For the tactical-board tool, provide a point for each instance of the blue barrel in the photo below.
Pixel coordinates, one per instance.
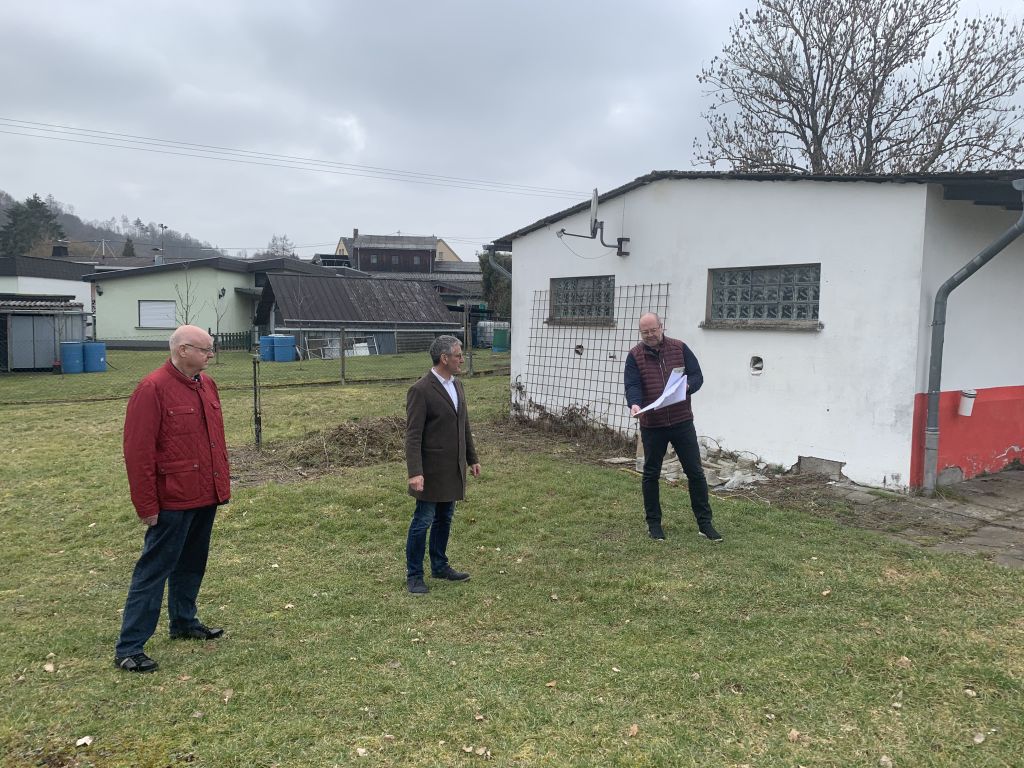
(72, 357)
(501, 340)
(284, 348)
(95, 356)
(266, 348)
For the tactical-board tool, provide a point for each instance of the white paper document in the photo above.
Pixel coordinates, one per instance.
(675, 392)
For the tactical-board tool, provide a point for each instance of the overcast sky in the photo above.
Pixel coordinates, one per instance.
(558, 95)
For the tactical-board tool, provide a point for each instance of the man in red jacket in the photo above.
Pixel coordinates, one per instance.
(177, 461)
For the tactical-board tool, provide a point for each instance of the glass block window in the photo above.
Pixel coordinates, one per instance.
(584, 300)
(769, 294)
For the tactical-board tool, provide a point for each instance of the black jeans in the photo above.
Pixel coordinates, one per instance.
(684, 439)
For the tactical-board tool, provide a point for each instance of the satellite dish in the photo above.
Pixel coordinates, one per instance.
(593, 214)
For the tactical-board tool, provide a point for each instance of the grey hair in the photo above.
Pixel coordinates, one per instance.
(442, 345)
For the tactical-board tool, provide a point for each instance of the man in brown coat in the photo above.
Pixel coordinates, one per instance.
(438, 452)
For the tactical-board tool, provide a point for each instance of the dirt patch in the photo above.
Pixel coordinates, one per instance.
(348, 444)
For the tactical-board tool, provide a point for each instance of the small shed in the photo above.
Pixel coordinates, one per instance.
(327, 315)
(32, 328)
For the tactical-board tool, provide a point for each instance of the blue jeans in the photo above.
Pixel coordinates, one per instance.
(683, 437)
(174, 552)
(435, 516)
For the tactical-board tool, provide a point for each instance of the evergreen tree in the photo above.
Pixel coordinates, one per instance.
(28, 224)
(128, 251)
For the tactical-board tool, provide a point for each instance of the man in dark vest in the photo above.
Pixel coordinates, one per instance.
(438, 452)
(648, 367)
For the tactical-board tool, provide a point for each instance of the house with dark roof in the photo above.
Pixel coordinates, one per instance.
(139, 308)
(327, 316)
(813, 304)
(429, 260)
(38, 276)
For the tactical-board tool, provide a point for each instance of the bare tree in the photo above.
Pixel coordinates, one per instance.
(188, 306)
(864, 86)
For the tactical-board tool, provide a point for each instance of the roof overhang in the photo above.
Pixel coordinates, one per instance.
(994, 188)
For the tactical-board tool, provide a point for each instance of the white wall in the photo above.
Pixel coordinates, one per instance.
(984, 316)
(845, 393)
(82, 291)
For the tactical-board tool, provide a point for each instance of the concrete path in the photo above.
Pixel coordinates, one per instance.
(984, 516)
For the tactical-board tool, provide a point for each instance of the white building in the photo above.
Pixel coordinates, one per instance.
(807, 300)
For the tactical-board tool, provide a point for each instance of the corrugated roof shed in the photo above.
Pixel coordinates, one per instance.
(302, 299)
(22, 302)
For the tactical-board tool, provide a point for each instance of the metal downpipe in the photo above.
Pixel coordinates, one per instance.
(931, 432)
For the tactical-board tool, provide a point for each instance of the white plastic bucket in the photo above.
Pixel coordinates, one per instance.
(967, 397)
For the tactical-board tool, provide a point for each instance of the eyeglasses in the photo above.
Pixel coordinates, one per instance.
(650, 331)
(204, 350)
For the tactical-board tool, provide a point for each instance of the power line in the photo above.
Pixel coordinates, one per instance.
(136, 143)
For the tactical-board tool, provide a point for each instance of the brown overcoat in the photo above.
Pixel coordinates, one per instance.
(438, 440)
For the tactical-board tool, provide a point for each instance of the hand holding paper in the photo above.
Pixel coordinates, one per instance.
(675, 392)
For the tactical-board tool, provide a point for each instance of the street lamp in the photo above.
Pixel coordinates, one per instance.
(163, 228)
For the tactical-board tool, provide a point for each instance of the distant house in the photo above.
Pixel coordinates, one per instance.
(808, 301)
(392, 253)
(429, 260)
(328, 315)
(138, 308)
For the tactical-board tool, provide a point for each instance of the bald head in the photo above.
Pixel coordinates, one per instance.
(191, 349)
(651, 331)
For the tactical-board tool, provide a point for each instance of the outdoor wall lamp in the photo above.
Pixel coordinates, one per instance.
(597, 229)
(99, 289)
(221, 292)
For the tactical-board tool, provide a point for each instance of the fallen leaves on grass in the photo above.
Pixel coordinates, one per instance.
(826, 593)
(793, 735)
(551, 684)
(49, 667)
(86, 741)
(362, 751)
(634, 729)
(970, 693)
(904, 663)
(979, 738)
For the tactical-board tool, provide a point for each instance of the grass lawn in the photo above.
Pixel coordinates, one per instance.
(577, 642)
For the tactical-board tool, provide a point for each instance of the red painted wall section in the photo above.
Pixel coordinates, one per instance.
(986, 441)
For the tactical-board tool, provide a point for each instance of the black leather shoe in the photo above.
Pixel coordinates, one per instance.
(197, 632)
(137, 662)
(656, 531)
(450, 574)
(416, 586)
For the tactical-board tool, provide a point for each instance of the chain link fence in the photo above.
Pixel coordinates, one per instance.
(111, 368)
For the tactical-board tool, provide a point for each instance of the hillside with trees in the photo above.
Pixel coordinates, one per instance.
(36, 233)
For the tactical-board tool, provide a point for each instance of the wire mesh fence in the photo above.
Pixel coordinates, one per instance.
(112, 368)
(574, 371)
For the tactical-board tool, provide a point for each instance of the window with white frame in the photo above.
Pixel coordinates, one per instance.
(583, 300)
(157, 314)
(765, 296)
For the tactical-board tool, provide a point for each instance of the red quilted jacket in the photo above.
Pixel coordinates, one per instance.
(174, 446)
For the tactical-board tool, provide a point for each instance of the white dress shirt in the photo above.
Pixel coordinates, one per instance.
(449, 387)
